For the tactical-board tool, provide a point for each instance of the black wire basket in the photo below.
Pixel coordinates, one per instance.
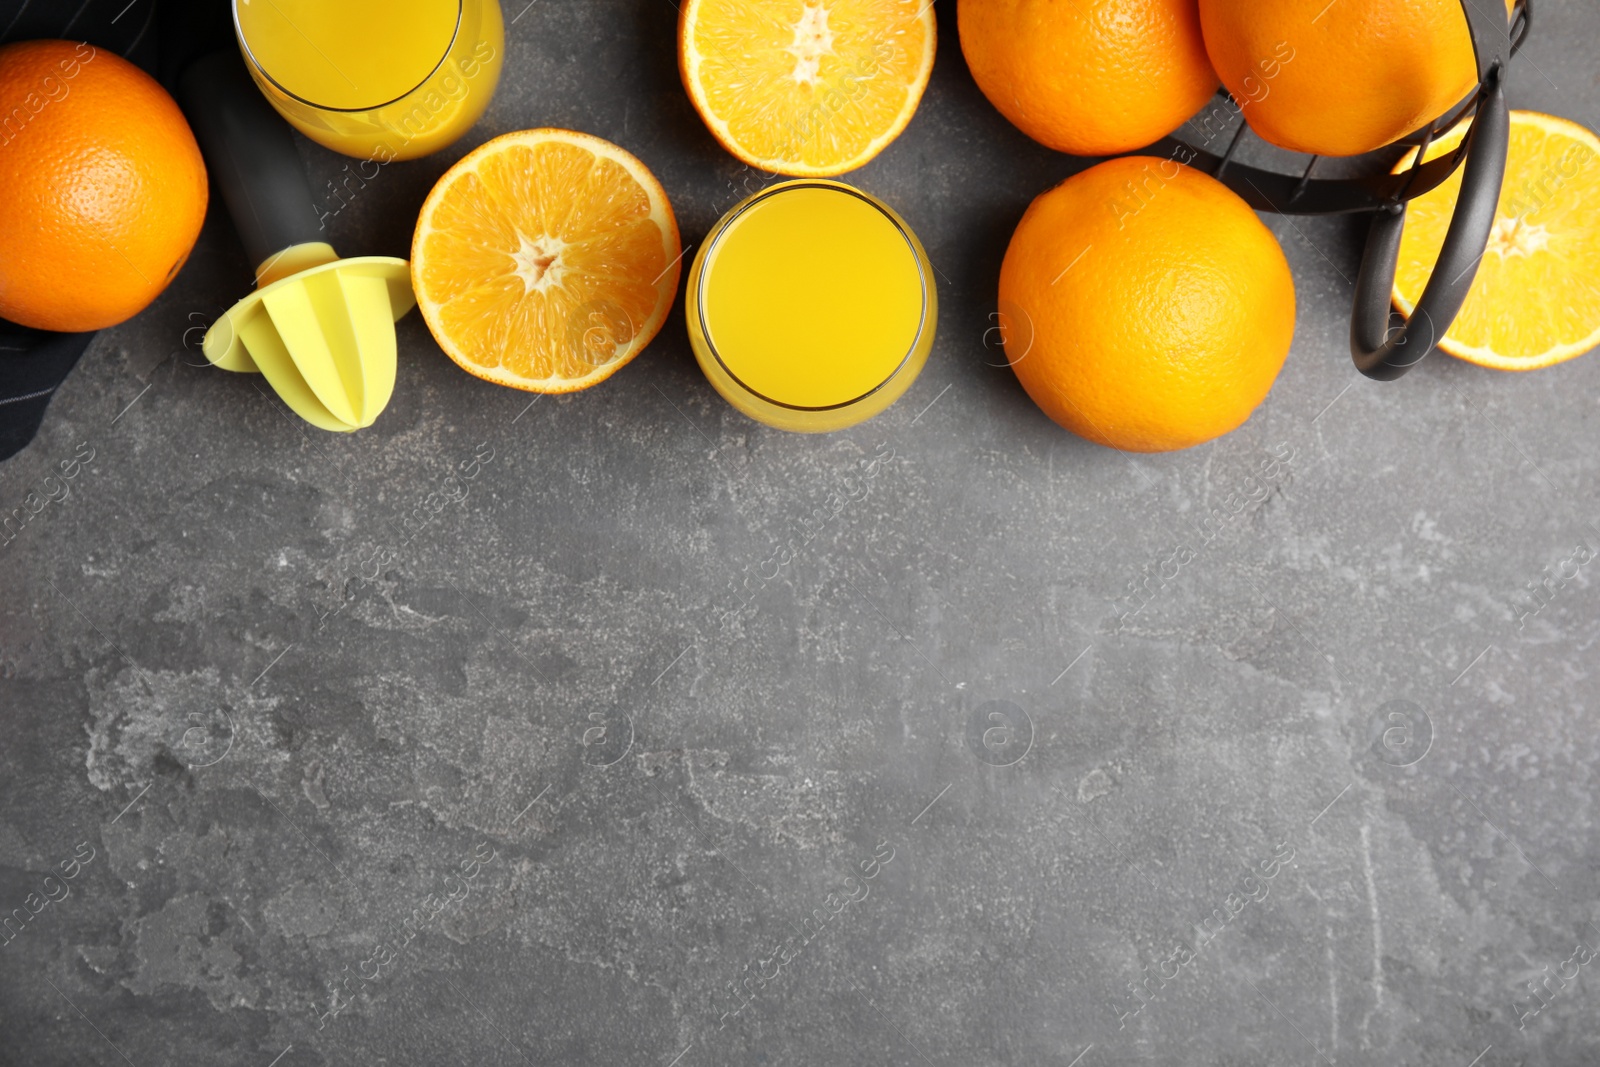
(1382, 349)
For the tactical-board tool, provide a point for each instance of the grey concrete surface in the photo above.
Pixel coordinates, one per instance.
(352, 767)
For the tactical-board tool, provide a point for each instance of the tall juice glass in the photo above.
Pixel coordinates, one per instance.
(376, 79)
(811, 306)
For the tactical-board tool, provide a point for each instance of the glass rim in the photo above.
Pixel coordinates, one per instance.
(726, 223)
(258, 67)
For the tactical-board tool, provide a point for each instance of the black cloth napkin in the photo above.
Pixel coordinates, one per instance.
(162, 36)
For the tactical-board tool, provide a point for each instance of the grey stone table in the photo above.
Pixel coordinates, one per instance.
(593, 731)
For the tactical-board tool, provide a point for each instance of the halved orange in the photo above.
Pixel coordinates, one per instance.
(545, 260)
(811, 88)
(1536, 298)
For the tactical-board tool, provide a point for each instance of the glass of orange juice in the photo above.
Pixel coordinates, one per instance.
(811, 306)
(376, 79)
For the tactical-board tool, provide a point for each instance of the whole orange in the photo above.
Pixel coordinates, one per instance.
(105, 190)
(1144, 306)
(1343, 78)
(1090, 77)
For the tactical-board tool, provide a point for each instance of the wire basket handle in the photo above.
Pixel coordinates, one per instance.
(1383, 351)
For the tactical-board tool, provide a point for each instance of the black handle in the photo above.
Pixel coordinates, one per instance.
(251, 155)
(1385, 352)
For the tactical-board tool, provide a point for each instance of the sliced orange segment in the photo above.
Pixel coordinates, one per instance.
(1536, 298)
(545, 260)
(811, 88)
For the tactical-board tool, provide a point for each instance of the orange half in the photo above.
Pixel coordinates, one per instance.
(545, 260)
(810, 88)
(1536, 298)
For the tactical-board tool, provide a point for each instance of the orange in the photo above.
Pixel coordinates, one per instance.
(1090, 77)
(1144, 306)
(105, 190)
(811, 88)
(1340, 78)
(545, 260)
(1536, 298)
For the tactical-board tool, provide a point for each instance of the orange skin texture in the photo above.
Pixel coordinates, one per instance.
(1090, 77)
(1144, 306)
(1363, 73)
(105, 188)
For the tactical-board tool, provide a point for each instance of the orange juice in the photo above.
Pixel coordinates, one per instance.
(811, 306)
(376, 79)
